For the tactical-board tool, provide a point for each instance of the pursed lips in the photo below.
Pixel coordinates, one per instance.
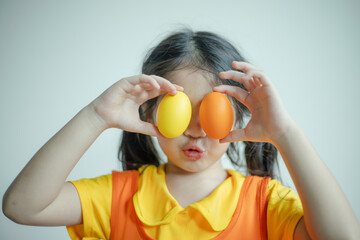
(193, 152)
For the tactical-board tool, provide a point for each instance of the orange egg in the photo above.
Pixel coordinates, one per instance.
(216, 115)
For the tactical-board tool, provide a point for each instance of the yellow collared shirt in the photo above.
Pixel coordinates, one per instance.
(164, 218)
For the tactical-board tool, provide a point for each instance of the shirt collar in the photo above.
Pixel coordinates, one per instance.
(154, 205)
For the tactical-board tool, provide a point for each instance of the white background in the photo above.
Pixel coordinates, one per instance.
(57, 56)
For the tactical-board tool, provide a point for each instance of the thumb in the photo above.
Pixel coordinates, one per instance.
(237, 92)
(234, 136)
(146, 128)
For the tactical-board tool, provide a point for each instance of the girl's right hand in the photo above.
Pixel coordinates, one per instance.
(118, 106)
(57, 202)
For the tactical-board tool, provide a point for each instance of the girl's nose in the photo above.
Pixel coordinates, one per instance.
(194, 129)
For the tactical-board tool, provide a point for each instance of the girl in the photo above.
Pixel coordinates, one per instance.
(191, 196)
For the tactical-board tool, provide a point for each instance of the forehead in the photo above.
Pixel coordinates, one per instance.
(196, 83)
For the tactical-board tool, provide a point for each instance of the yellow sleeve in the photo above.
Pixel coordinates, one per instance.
(95, 197)
(283, 212)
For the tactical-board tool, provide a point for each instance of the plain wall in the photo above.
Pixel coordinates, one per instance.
(57, 56)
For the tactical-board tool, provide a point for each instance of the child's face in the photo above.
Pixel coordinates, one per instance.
(193, 151)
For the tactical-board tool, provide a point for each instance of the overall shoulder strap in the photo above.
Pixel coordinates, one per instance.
(256, 190)
(125, 185)
(249, 220)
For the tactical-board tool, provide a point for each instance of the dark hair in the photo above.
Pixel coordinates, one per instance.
(213, 54)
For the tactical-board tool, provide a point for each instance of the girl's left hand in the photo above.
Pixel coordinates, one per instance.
(269, 118)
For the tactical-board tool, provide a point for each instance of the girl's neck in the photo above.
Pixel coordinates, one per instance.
(188, 187)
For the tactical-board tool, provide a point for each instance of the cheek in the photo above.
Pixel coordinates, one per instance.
(167, 145)
(162, 143)
(218, 149)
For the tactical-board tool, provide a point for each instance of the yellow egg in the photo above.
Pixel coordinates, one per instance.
(173, 115)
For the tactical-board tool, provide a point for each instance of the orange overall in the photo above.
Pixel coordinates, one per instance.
(248, 222)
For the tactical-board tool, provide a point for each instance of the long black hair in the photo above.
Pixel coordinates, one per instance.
(197, 50)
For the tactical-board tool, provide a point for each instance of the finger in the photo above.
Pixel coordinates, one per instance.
(146, 128)
(144, 80)
(247, 67)
(257, 81)
(243, 66)
(146, 86)
(251, 82)
(237, 92)
(256, 73)
(260, 77)
(234, 136)
(166, 85)
(238, 77)
(235, 75)
(179, 88)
